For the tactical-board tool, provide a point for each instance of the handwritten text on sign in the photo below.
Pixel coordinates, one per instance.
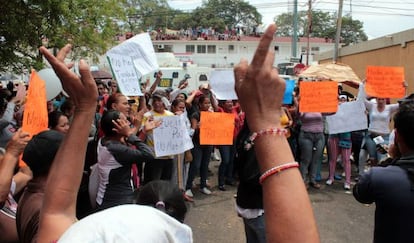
(318, 96)
(172, 136)
(216, 128)
(125, 73)
(35, 118)
(385, 82)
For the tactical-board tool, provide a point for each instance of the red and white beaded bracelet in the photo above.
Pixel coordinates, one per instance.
(277, 169)
(268, 131)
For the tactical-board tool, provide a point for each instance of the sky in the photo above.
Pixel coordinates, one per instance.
(380, 17)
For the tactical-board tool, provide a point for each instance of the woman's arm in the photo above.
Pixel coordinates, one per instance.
(156, 82)
(9, 161)
(288, 115)
(126, 155)
(22, 177)
(289, 216)
(58, 212)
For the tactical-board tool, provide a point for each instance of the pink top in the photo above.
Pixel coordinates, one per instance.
(311, 122)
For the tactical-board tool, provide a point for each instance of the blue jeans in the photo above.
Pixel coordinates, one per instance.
(255, 230)
(201, 159)
(311, 148)
(226, 166)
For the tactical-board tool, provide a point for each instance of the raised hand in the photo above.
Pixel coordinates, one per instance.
(151, 124)
(18, 142)
(122, 127)
(259, 87)
(82, 90)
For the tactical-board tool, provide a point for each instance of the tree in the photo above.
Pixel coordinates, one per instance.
(352, 31)
(91, 25)
(220, 14)
(323, 25)
(152, 14)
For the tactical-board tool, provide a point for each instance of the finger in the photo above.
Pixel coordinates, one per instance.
(62, 54)
(269, 59)
(116, 123)
(60, 68)
(263, 47)
(86, 77)
(70, 65)
(49, 56)
(240, 71)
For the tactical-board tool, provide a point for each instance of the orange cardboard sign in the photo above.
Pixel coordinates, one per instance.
(35, 117)
(385, 82)
(318, 96)
(216, 128)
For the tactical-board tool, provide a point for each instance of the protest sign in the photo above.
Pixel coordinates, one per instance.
(35, 117)
(172, 136)
(349, 117)
(222, 83)
(385, 82)
(216, 128)
(318, 96)
(288, 96)
(125, 73)
(141, 51)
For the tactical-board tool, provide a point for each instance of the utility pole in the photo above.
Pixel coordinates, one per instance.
(295, 29)
(338, 31)
(309, 31)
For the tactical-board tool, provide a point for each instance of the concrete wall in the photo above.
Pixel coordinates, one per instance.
(392, 50)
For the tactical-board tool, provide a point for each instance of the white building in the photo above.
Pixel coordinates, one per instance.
(226, 53)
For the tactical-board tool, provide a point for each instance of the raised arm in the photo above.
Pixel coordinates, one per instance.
(14, 148)
(289, 215)
(59, 207)
(156, 82)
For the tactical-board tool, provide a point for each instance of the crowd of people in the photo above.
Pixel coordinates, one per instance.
(94, 176)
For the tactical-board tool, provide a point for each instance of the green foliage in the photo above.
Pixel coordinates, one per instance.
(230, 13)
(352, 31)
(323, 25)
(91, 25)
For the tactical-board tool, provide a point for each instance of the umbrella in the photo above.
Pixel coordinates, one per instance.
(338, 72)
(100, 74)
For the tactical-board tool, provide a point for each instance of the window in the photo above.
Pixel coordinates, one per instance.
(201, 49)
(175, 74)
(303, 49)
(168, 48)
(276, 48)
(315, 48)
(189, 48)
(231, 49)
(211, 49)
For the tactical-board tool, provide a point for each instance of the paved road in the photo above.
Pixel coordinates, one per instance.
(340, 218)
